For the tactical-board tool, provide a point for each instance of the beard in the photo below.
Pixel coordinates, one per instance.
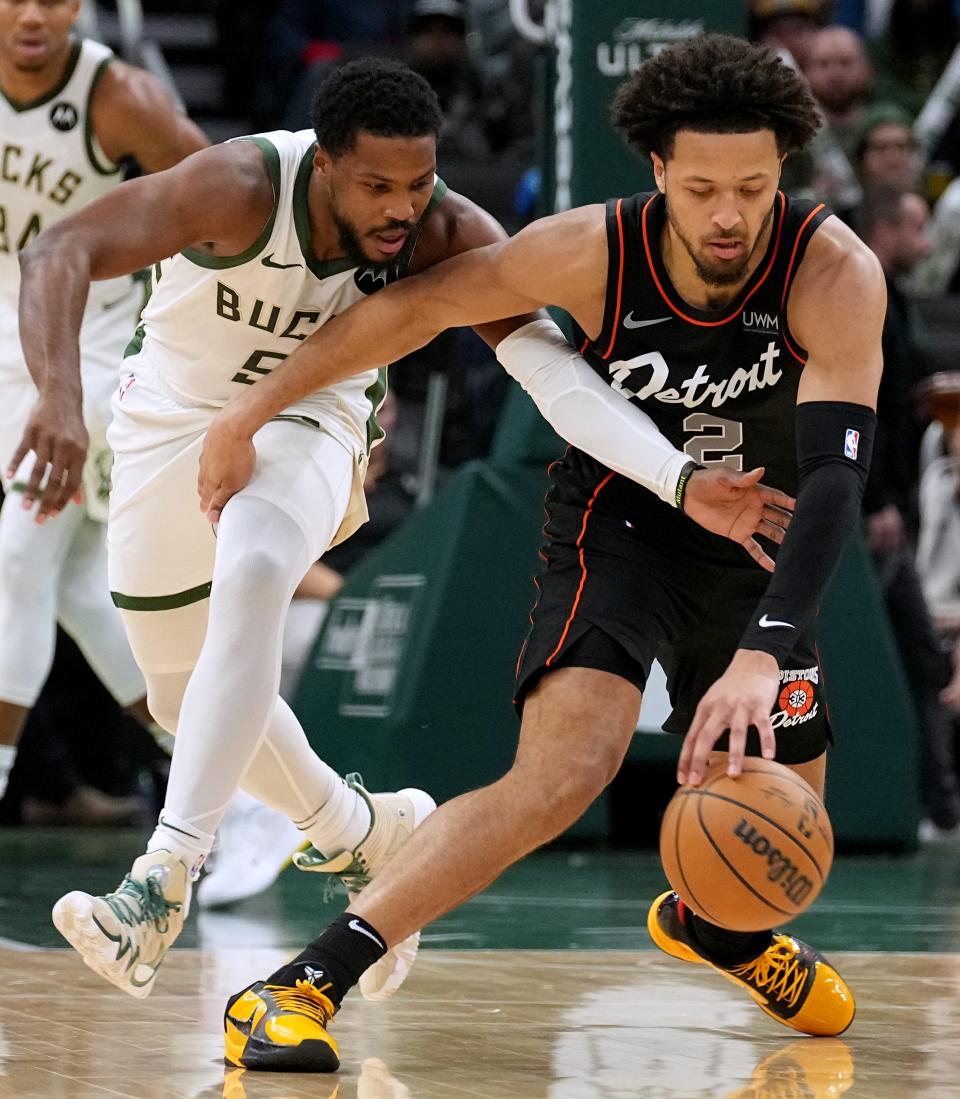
(719, 273)
(352, 245)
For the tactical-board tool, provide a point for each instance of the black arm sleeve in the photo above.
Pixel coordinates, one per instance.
(834, 444)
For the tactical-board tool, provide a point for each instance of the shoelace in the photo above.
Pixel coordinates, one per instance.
(778, 973)
(304, 1000)
(139, 902)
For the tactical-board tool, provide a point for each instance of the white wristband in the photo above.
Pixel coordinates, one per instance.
(586, 412)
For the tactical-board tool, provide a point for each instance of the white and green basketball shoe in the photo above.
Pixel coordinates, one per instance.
(124, 935)
(393, 818)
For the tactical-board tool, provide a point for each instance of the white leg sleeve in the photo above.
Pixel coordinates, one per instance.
(31, 560)
(87, 613)
(267, 537)
(286, 774)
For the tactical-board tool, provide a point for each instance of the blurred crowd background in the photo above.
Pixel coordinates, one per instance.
(887, 76)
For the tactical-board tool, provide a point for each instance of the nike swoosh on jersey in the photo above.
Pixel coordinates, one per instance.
(629, 322)
(267, 261)
(766, 623)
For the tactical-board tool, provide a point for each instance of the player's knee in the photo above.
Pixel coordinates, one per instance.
(562, 791)
(21, 577)
(584, 781)
(258, 573)
(164, 709)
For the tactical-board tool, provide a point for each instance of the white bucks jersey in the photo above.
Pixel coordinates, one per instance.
(51, 166)
(215, 325)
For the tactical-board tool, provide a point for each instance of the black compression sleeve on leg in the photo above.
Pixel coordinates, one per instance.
(834, 444)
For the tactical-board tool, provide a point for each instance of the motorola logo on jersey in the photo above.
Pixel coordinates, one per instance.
(64, 116)
(371, 279)
(698, 389)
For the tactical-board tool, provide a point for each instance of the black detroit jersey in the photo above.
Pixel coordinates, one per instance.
(721, 386)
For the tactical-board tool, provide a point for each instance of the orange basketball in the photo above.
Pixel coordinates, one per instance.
(747, 853)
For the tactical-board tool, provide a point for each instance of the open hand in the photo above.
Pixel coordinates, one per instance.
(736, 506)
(227, 461)
(56, 435)
(743, 696)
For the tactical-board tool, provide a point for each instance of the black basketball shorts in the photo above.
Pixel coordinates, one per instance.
(622, 585)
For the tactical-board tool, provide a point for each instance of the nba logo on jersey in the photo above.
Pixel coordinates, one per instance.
(851, 443)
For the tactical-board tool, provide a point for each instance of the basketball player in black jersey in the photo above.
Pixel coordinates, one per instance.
(747, 325)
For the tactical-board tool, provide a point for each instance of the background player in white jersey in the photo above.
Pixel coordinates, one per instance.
(270, 237)
(69, 114)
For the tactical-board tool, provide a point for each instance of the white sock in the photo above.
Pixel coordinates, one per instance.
(182, 839)
(286, 775)
(8, 753)
(340, 824)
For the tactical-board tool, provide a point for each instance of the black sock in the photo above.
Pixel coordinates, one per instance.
(722, 947)
(335, 961)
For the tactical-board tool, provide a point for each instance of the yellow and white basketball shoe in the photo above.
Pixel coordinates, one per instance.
(125, 934)
(274, 1028)
(393, 817)
(791, 981)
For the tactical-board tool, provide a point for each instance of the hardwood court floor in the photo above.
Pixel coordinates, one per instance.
(598, 1014)
(505, 1024)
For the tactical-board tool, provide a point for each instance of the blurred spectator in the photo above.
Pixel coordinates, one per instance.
(487, 139)
(787, 26)
(852, 14)
(938, 549)
(437, 49)
(886, 153)
(892, 223)
(939, 272)
(81, 759)
(841, 79)
(910, 55)
(305, 35)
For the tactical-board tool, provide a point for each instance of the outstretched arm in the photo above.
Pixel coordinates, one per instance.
(544, 264)
(562, 261)
(836, 311)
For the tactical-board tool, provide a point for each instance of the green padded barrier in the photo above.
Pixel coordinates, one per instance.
(873, 780)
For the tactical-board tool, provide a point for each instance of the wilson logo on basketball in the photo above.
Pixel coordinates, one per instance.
(780, 868)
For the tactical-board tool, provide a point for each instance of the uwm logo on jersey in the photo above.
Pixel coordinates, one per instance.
(754, 321)
(698, 389)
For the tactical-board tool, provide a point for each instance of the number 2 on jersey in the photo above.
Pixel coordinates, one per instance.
(716, 436)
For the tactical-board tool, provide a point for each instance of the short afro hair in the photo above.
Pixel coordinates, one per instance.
(375, 95)
(715, 84)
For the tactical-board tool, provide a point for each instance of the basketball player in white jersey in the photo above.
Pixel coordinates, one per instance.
(69, 114)
(270, 237)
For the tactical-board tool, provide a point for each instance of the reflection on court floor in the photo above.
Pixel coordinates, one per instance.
(594, 1014)
(498, 1024)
